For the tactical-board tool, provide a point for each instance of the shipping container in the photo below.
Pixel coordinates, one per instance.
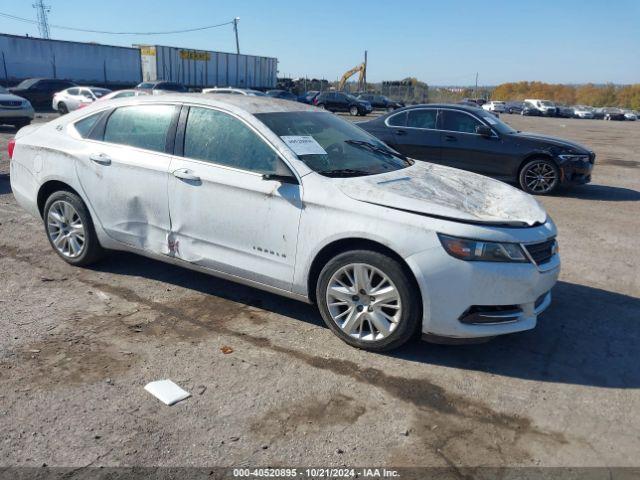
(84, 63)
(203, 68)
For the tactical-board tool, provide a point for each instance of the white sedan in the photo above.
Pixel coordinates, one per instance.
(14, 110)
(495, 106)
(73, 98)
(295, 200)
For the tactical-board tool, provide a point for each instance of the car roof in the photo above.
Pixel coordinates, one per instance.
(451, 106)
(247, 103)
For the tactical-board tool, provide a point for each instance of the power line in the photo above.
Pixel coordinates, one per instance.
(62, 27)
(43, 23)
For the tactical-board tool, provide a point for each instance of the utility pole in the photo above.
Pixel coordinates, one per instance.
(363, 88)
(43, 23)
(476, 90)
(235, 29)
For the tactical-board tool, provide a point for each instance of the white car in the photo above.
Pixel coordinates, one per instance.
(123, 94)
(297, 201)
(235, 91)
(495, 106)
(14, 110)
(73, 98)
(581, 111)
(630, 115)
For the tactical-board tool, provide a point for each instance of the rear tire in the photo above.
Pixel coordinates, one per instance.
(352, 304)
(70, 230)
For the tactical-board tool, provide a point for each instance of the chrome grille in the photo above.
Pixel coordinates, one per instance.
(10, 103)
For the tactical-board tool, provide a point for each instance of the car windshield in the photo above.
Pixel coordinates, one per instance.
(546, 103)
(351, 97)
(496, 123)
(145, 85)
(332, 146)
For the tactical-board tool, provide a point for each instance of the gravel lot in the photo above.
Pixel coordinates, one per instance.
(77, 347)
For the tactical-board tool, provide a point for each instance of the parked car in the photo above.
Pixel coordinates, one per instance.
(630, 115)
(235, 91)
(564, 111)
(473, 139)
(342, 102)
(14, 110)
(613, 114)
(76, 97)
(312, 208)
(122, 94)
(581, 111)
(546, 107)
(40, 91)
(495, 106)
(514, 107)
(283, 94)
(308, 97)
(380, 102)
(162, 87)
(530, 110)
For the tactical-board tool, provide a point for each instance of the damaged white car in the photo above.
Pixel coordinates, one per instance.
(296, 201)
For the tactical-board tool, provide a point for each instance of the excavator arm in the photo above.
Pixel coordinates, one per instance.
(349, 73)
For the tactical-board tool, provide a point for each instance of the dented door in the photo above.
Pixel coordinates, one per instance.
(234, 221)
(225, 215)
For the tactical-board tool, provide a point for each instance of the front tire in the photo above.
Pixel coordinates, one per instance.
(353, 111)
(368, 300)
(539, 176)
(70, 230)
(62, 108)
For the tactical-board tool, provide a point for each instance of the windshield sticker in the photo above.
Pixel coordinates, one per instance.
(303, 145)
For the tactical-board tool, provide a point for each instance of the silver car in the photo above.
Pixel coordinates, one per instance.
(295, 200)
(14, 110)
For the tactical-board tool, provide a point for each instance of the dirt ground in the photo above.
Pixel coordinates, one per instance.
(77, 347)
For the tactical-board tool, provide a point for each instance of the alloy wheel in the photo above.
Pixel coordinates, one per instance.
(540, 177)
(65, 229)
(364, 302)
(353, 111)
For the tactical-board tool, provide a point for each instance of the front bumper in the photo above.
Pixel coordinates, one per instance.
(451, 287)
(576, 173)
(16, 114)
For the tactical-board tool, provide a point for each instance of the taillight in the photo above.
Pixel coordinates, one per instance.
(10, 146)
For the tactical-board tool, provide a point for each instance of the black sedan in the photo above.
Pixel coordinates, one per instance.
(380, 102)
(342, 102)
(472, 139)
(40, 91)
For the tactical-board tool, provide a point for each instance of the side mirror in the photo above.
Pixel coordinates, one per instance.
(484, 131)
(282, 174)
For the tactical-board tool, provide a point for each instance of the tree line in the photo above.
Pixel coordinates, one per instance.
(609, 95)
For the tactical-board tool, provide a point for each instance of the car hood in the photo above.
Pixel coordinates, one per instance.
(445, 192)
(10, 96)
(559, 142)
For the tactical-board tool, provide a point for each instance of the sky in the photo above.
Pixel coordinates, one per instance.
(438, 42)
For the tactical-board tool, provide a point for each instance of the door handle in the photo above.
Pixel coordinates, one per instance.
(450, 138)
(101, 158)
(401, 132)
(186, 174)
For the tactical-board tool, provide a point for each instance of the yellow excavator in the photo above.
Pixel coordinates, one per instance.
(362, 69)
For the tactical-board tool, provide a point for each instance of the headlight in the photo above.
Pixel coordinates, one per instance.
(573, 158)
(476, 250)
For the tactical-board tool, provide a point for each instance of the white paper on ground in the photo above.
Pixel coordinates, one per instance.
(303, 144)
(166, 391)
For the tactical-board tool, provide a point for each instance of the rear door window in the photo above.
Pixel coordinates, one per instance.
(398, 120)
(422, 118)
(220, 138)
(141, 126)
